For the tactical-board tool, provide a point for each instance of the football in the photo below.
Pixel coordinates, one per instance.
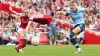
(35, 42)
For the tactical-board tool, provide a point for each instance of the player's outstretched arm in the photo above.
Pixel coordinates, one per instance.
(29, 23)
(62, 12)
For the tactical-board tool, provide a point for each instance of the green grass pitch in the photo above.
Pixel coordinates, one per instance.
(48, 50)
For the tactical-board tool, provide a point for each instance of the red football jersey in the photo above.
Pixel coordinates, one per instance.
(24, 21)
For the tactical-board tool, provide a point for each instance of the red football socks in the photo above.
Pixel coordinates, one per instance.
(20, 44)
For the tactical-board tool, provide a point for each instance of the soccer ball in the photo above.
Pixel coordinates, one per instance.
(35, 42)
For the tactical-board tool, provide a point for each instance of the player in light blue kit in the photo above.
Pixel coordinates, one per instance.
(77, 15)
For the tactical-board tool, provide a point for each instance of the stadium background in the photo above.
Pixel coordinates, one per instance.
(44, 10)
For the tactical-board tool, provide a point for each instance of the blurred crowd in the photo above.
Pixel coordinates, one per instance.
(51, 7)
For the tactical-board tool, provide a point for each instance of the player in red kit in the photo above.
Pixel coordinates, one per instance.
(25, 23)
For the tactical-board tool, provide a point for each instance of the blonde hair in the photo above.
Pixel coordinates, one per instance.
(72, 4)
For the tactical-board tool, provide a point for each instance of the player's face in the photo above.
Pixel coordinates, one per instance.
(26, 12)
(73, 8)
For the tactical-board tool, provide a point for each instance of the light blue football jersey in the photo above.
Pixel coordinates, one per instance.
(78, 16)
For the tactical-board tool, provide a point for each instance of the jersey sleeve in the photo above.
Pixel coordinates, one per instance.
(31, 18)
(81, 9)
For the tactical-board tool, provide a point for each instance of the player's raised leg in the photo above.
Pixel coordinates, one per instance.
(76, 31)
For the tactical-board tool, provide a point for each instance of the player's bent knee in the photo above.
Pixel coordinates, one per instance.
(77, 30)
(21, 34)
